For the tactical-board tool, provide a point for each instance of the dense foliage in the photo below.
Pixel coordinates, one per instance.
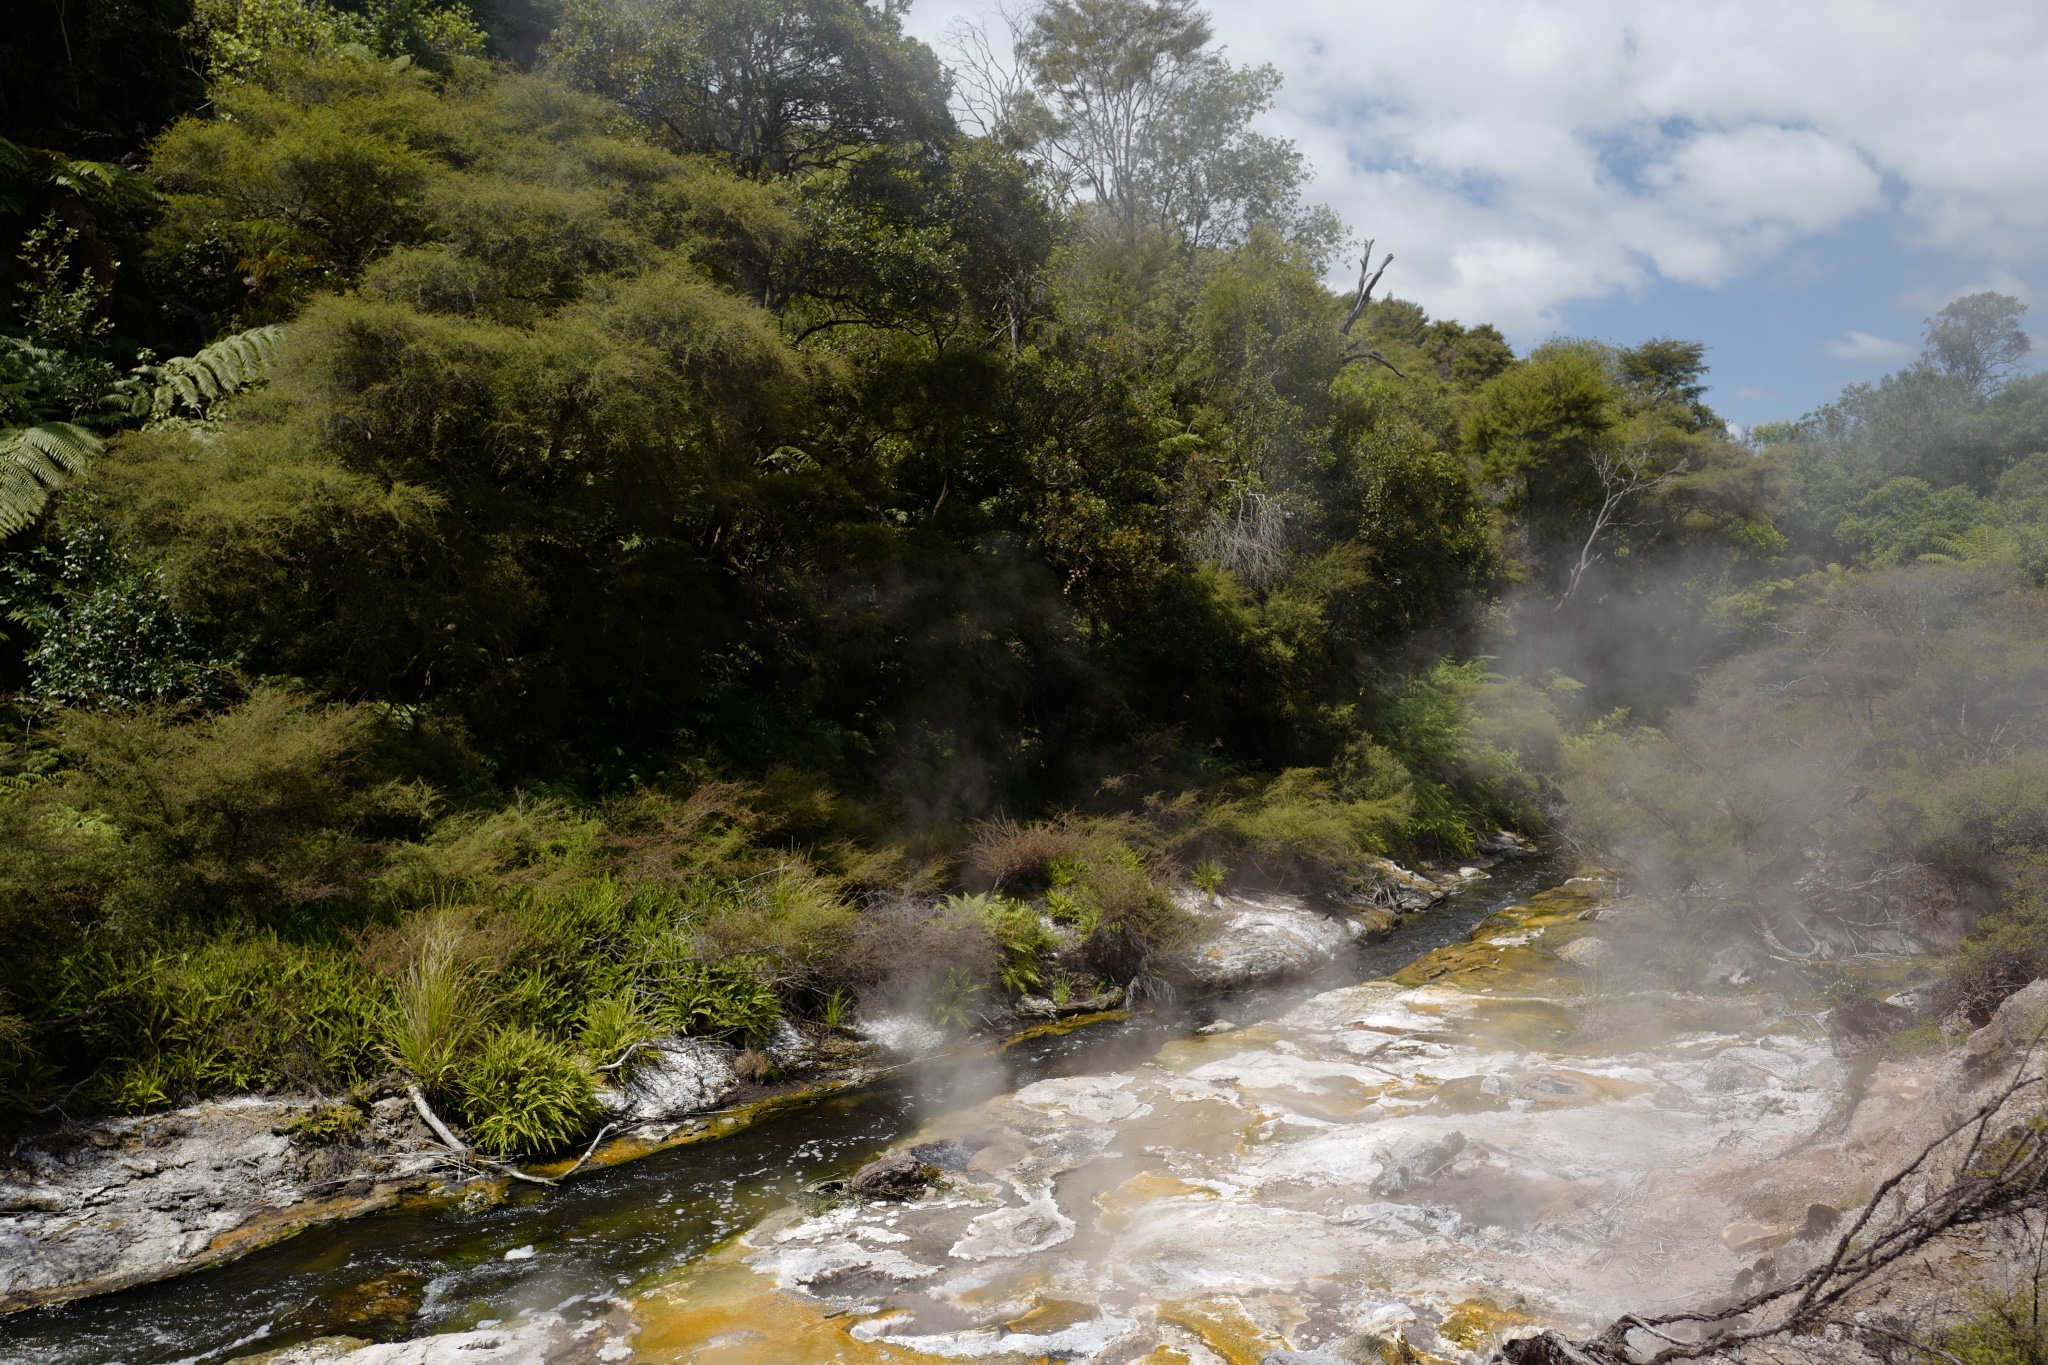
(643, 503)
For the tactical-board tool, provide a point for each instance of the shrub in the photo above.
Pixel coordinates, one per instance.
(522, 1093)
(611, 1027)
(1023, 945)
(2004, 1328)
(237, 1014)
(272, 803)
(327, 1123)
(712, 998)
(438, 1001)
(1299, 824)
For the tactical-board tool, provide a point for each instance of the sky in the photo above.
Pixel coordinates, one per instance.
(1796, 184)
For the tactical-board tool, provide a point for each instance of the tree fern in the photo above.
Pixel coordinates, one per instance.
(1981, 544)
(36, 461)
(193, 382)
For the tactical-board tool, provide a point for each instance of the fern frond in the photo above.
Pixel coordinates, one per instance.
(35, 462)
(1978, 545)
(27, 173)
(229, 365)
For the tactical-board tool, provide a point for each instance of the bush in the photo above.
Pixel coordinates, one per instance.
(727, 999)
(2005, 1328)
(522, 1093)
(236, 1014)
(1023, 946)
(439, 996)
(611, 1028)
(1300, 825)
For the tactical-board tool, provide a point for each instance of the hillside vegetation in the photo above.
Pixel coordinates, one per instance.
(520, 540)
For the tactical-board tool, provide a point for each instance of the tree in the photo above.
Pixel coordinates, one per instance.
(1978, 339)
(1671, 375)
(775, 87)
(1135, 110)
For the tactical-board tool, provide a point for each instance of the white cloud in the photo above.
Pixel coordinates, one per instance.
(1865, 349)
(1518, 154)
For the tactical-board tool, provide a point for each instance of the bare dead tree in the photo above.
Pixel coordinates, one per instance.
(1990, 1169)
(1623, 475)
(1368, 279)
(1250, 539)
(989, 87)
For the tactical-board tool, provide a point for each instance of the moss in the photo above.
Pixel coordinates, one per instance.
(327, 1123)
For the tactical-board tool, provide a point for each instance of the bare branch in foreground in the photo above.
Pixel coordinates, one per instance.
(1990, 1167)
(462, 1150)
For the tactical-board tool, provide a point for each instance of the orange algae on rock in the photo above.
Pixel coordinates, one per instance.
(722, 1313)
(1477, 1323)
(1224, 1327)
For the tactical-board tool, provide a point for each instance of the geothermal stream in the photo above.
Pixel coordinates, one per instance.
(1480, 1141)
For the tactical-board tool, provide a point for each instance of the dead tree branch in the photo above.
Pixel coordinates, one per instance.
(1623, 475)
(1368, 279)
(462, 1150)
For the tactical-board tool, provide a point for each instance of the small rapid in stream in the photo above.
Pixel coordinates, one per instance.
(444, 1267)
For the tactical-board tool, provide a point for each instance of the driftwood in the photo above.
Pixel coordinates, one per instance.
(466, 1153)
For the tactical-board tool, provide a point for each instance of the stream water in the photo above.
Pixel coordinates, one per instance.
(443, 1268)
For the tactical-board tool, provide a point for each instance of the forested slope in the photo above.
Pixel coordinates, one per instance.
(533, 527)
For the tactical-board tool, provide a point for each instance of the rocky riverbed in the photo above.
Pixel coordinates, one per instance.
(1472, 1150)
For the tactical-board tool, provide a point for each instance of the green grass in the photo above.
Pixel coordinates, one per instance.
(524, 1094)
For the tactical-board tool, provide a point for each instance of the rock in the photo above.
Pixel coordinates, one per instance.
(1394, 886)
(1918, 1004)
(1545, 1348)
(947, 1155)
(1412, 1165)
(786, 1047)
(1505, 843)
(1737, 964)
(123, 1201)
(1863, 1023)
(1819, 1222)
(684, 1076)
(2017, 1025)
(546, 1340)
(1743, 1238)
(898, 1175)
(1037, 1007)
(1256, 939)
(1584, 952)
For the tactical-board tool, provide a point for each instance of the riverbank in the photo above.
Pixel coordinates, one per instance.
(93, 1208)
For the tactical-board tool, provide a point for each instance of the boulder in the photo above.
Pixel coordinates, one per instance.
(1415, 1164)
(1863, 1023)
(2018, 1025)
(787, 1048)
(1391, 885)
(898, 1175)
(1254, 939)
(683, 1076)
(1505, 843)
(946, 1154)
